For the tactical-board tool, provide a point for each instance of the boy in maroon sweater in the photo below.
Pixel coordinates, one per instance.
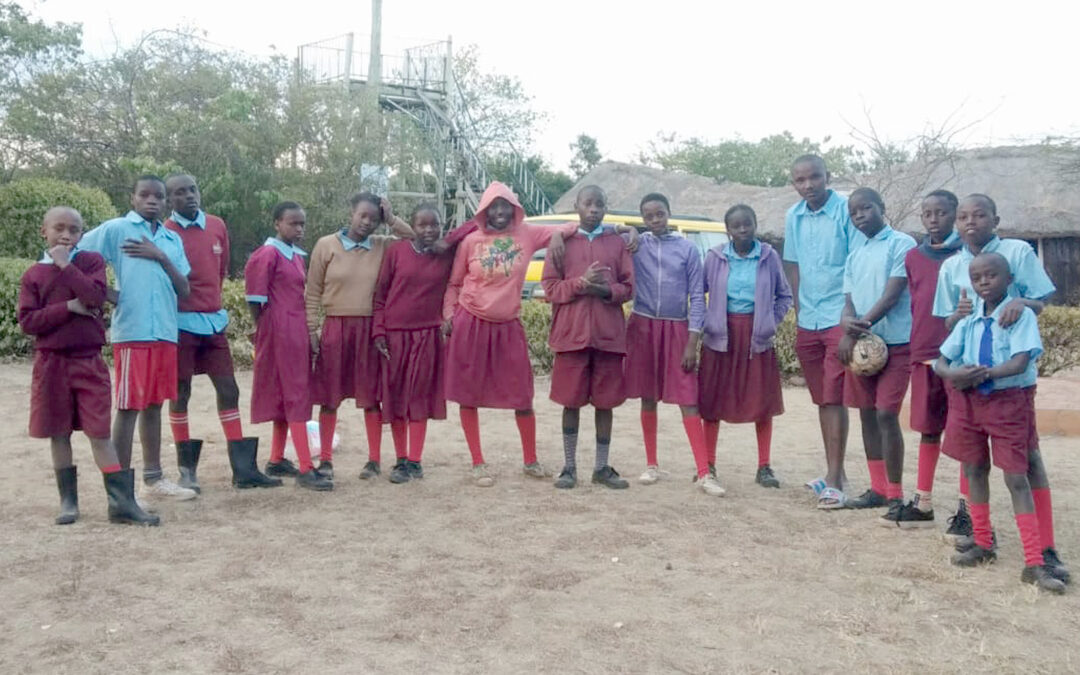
(60, 300)
(203, 347)
(588, 332)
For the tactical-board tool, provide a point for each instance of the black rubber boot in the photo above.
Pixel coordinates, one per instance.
(187, 460)
(120, 487)
(67, 481)
(245, 469)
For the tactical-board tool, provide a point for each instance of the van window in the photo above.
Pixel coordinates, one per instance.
(705, 240)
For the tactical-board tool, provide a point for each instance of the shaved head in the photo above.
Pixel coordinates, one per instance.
(57, 212)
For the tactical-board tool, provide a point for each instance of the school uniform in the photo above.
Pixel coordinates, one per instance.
(997, 418)
(274, 277)
(203, 347)
(408, 313)
(929, 399)
(1030, 279)
(819, 242)
(669, 304)
(870, 265)
(145, 326)
(588, 333)
(69, 389)
(488, 355)
(739, 375)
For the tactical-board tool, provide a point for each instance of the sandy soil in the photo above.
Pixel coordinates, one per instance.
(440, 576)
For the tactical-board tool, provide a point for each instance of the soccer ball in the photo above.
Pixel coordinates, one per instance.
(869, 355)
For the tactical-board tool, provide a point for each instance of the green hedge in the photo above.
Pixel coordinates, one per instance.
(23, 204)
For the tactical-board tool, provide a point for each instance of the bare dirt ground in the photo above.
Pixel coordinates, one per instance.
(440, 576)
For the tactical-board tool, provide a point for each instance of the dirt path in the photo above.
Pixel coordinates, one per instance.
(440, 576)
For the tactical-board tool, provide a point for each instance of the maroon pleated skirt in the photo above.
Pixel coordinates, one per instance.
(412, 378)
(654, 351)
(348, 365)
(736, 387)
(487, 364)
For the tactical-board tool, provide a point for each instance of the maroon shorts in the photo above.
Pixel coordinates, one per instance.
(145, 374)
(348, 365)
(654, 352)
(203, 355)
(487, 364)
(69, 393)
(735, 386)
(886, 389)
(929, 400)
(998, 425)
(822, 370)
(588, 376)
(412, 378)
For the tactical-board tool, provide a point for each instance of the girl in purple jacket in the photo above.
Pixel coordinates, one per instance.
(739, 377)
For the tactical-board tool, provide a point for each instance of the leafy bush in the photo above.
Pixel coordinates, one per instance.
(240, 324)
(785, 348)
(536, 317)
(1060, 330)
(23, 204)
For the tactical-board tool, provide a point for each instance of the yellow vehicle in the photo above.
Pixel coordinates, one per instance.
(704, 233)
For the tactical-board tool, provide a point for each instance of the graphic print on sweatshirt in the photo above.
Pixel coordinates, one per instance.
(500, 256)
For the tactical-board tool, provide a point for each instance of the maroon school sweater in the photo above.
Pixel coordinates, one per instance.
(927, 331)
(578, 320)
(208, 253)
(410, 290)
(43, 313)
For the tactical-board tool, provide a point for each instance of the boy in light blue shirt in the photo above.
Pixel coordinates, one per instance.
(878, 302)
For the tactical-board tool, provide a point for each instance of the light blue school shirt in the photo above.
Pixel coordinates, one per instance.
(819, 243)
(869, 267)
(1030, 280)
(742, 278)
(961, 348)
(348, 243)
(199, 323)
(146, 307)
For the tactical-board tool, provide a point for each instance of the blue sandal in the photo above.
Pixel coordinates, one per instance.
(831, 499)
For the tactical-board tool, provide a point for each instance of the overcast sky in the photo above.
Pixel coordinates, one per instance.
(623, 71)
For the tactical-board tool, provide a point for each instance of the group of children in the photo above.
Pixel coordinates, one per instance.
(401, 323)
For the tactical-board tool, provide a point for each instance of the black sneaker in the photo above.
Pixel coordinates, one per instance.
(967, 543)
(1055, 566)
(1041, 577)
(610, 477)
(416, 472)
(400, 472)
(567, 479)
(370, 470)
(960, 524)
(765, 477)
(313, 480)
(890, 517)
(914, 518)
(975, 555)
(868, 500)
(282, 468)
(326, 470)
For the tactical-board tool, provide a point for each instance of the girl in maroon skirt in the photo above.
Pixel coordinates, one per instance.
(739, 378)
(663, 335)
(341, 287)
(407, 332)
(280, 390)
(487, 354)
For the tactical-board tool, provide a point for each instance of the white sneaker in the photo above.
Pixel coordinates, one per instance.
(481, 476)
(166, 489)
(651, 475)
(710, 486)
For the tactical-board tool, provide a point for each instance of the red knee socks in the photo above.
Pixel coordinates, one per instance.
(980, 525)
(712, 436)
(878, 481)
(648, 430)
(399, 430)
(327, 425)
(417, 432)
(1044, 511)
(179, 424)
(470, 424)
(928, 459)
(298, 430)
(695, 433)
(1028, 523)
(763, 429)
(526, 425)
(230, 424)
(964, 491)
(277, 442)
(373, 425)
